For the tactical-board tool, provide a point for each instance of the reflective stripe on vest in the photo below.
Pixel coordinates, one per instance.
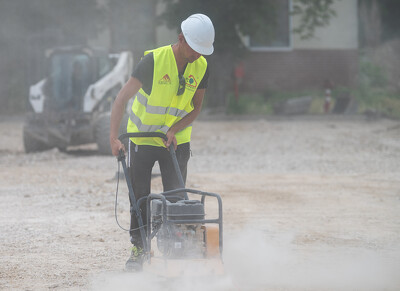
(159, 109)
(144, 127)
(148, 128)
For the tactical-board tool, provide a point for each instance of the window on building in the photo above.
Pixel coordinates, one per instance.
(278, 34)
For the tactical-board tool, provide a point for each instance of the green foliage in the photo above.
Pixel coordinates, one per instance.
(248, 104)
(372, 75)
(390, 105)
(317, 104)
(372, 81)
(379, 101)
(265, 103)
(372, 92)
(313, 14)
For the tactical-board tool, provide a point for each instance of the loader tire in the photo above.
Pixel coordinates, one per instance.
(31, 144)
(102, 132)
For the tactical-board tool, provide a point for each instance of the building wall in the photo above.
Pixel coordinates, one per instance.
(301, 69)
(331, 55)
(341, 33)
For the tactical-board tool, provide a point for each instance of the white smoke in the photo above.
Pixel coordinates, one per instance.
(255, 260)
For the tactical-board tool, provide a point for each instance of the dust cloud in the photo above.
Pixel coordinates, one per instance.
(256, 260)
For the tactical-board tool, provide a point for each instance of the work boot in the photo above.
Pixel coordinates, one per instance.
(135, 261)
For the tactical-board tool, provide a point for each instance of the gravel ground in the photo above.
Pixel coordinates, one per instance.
(310, 203)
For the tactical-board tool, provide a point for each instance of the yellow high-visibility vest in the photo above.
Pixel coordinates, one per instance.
(160, 110)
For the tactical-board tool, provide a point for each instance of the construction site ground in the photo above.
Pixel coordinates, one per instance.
(310, 203)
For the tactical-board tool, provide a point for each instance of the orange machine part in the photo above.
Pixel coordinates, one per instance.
(211, 233)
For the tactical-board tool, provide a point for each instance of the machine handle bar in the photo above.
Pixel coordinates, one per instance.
(142, 134)
(171, 150)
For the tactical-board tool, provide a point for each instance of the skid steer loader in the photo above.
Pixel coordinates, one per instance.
(72, 105)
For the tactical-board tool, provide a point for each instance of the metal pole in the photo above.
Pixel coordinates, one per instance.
(134, 208)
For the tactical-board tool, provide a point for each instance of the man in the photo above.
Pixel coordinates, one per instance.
(169, 84)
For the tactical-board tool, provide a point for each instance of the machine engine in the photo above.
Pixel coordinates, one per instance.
(178, 240)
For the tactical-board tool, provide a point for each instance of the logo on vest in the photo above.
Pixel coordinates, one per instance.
(165, 80)
(191, 82)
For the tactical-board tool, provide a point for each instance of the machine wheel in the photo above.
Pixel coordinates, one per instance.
(102, 132)
(31, 144)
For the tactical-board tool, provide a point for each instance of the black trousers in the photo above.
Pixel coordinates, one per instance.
(142, 159)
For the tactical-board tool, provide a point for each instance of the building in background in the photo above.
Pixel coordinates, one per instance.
(290, 63)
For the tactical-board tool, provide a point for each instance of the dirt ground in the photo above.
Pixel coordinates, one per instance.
(310, 203)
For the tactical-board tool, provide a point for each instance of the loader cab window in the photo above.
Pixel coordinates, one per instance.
(105, 66)
(71, 75)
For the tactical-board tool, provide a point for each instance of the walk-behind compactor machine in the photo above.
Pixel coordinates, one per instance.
(178, 235)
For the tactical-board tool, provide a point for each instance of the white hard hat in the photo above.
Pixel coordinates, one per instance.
(199, 33)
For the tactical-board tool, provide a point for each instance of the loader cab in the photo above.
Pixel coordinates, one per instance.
(71, 105)
(71, 71)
